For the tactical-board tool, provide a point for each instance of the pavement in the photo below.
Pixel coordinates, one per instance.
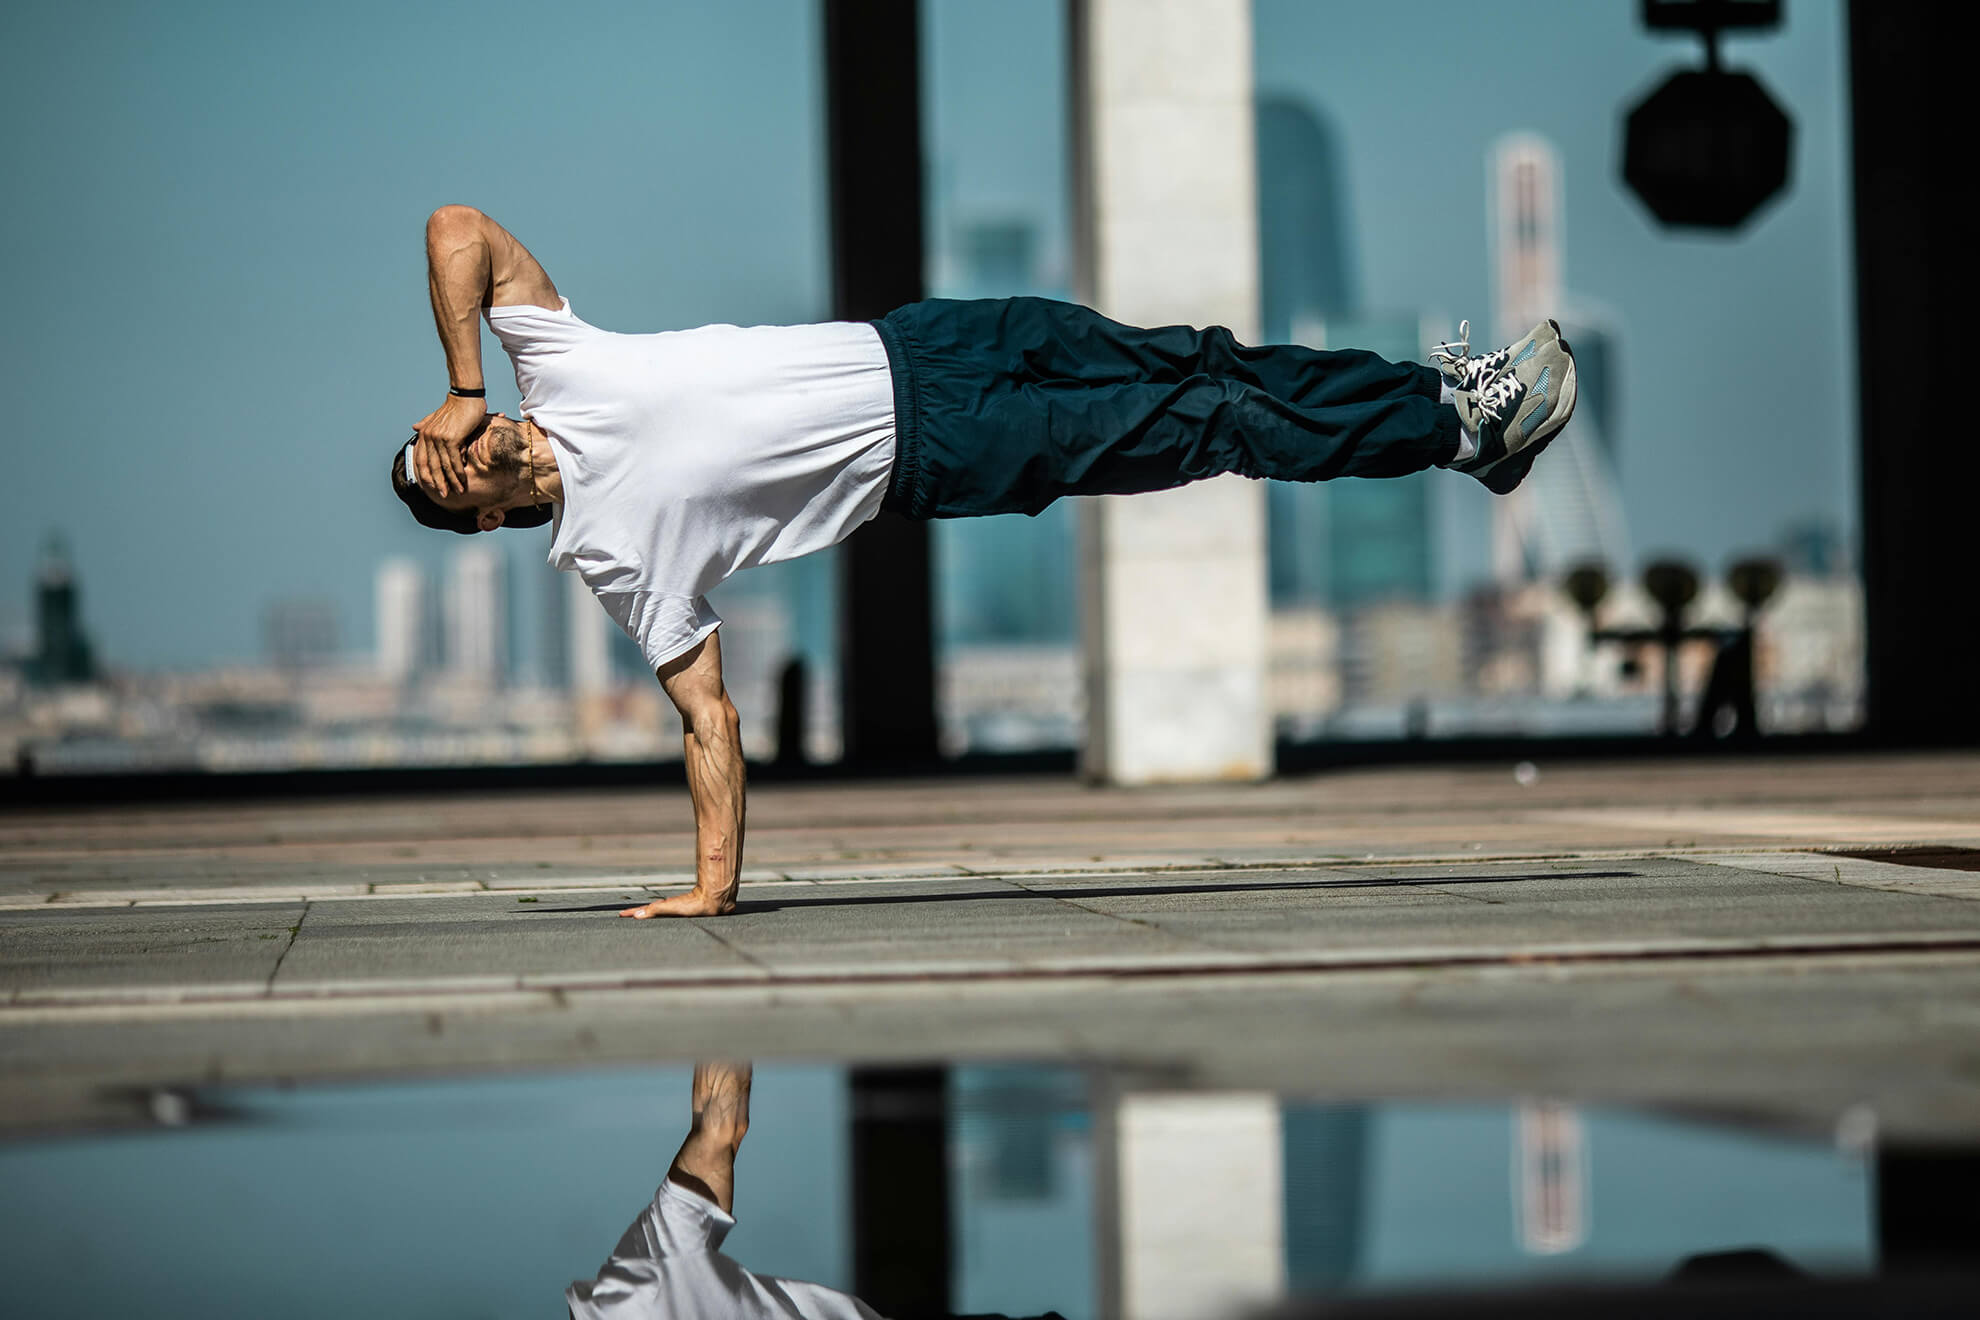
(1694, 934)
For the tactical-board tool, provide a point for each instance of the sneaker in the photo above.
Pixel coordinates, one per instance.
(1513, 401)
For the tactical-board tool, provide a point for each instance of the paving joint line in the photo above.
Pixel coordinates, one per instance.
(1121, 917)
(1195, 939)
(295, 933)
(759, 965)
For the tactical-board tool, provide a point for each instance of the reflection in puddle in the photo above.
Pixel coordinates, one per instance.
(1012, 1190)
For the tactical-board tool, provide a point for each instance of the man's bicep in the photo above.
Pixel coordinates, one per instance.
(518, 279)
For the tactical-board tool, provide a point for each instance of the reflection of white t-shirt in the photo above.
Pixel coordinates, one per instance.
(688, 455)
(669, 1264)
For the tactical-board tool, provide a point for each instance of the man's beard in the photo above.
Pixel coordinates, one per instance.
(507, 450)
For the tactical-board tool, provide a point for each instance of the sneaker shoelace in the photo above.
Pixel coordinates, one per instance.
(1501, 392)
(1455, 361)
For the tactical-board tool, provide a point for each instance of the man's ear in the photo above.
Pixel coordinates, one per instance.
(488, 519)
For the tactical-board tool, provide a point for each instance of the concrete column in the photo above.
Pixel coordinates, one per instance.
(1194, 1189)
(1172, 585)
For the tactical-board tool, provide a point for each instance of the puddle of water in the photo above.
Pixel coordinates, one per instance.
(1009, 1189)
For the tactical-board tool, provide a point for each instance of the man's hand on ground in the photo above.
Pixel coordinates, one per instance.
(694, 903)
(441, 434)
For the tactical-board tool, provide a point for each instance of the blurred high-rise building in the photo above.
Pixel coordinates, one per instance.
(1006, 580)
(1569, 509)
(477, 615)
(401, 626)
(1343, 544)
(1305, 244)
(587, 638)
(299, 633)
(553, 639)
(62, 651)
(1527, 232)
(996, 256)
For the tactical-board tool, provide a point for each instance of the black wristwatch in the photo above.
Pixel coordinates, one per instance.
(460, 393)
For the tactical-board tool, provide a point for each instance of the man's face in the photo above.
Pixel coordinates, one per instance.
(492, 462)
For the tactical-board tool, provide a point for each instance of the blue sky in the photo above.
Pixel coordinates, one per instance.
(220, 329)
(214, 239)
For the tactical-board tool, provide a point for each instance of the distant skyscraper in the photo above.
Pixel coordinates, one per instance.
(62, 653)
(1347, 543)
(300, 634)
(1010, 579)
(1379, 537)
(1814, 547)
(1568, 510)
(401, 620)
(1303, 238)
(553, 633)
(996, 257)
(588, 639)
(1527, 233)
(477, 615)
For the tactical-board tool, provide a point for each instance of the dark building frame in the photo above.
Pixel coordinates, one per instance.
(1920, 471)
(873, 136)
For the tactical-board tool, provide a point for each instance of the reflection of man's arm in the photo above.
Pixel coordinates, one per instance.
(669, 1263)
(706, 1163)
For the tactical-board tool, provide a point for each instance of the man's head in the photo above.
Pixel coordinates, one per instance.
(498, 492)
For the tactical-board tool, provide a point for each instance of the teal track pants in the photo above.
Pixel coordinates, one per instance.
(1004, 405)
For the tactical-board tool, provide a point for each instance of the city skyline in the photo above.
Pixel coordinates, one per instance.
(231, 452)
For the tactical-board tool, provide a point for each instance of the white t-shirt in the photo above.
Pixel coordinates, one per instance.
(690, 454)
(669, 1264)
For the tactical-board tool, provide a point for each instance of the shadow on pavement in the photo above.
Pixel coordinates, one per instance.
(746, 906)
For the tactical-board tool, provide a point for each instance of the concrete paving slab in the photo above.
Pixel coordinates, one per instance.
(971, 923)
(52, 948)
(980, 925)
(1505, 940)
(1857, 871)
(481, 934)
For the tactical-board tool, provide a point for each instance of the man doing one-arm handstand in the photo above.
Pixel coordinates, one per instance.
(669, 461)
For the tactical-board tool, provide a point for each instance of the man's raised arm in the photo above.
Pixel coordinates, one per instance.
(713, 733)
(471, 263)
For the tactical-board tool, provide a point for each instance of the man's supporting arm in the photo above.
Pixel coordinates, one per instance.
(707, 1160)
(713, 735)
(471, 263)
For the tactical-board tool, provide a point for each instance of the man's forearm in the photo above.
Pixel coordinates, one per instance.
(458, 274)
(716, 783)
